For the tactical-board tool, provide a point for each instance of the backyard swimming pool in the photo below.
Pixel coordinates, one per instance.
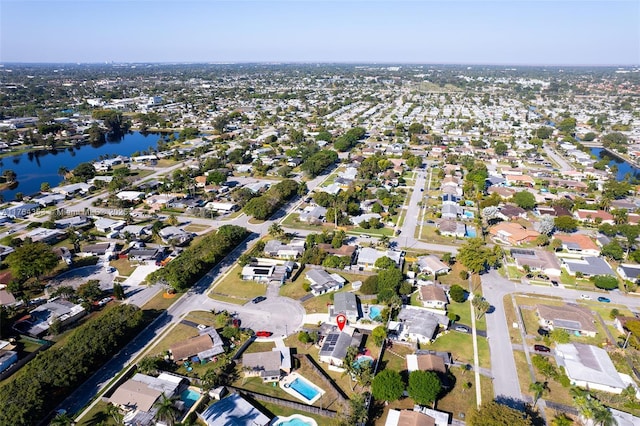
(304, 389)
(189, 397)
(374, 313)
(295, 420)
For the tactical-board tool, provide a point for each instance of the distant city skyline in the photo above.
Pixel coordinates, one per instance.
(454, 32)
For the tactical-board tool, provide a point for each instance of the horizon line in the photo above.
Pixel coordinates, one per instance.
(386, 63)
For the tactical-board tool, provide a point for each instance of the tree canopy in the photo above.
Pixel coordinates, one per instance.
(476, 257)
(525, 200)
(387, 386)
(31, 260)
(424, 387)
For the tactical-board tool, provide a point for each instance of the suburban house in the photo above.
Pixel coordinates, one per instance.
(433, 297)
(426, 362)
(628, 272)
(6, 298)
(347, 304)
(130, 196)
(578, 243)
(233, 410)
(205, 346)
(572, 318)
(452, 228)
(510, 212)
(590, 367)
(293, 250)
(138, 395)
(420, 325)
(594, 216)
(173, 234)
(322, 282)
(537, 260)
(7, 355)
(555, 211)
(41, 318)
(97, 249)
(520, 180)
(335, 344)
(72, 189)
(344, 250)
(145, 254)
(419, 416)
(106, 225)
(73, 221)
(45, 235)
(267, 271)
(588, 266)
(367, 257)
(313, 214)
(221, 207)
(267, 365)
(513, 233)
(432, 265)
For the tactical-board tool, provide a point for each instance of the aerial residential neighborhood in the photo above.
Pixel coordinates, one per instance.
(299, 242)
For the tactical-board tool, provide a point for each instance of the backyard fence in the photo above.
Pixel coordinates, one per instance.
(285, 403)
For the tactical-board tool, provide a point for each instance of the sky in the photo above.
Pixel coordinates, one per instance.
(517, 32)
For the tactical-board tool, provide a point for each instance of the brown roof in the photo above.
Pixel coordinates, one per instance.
(191, 347)
(433, 292)
(516, 232)
(431, 362)
(6, 298)
(413, 418)
(583, 241)
(344, 250)
(568, 313)
(501, 191)
(134, 394)
(593, 214)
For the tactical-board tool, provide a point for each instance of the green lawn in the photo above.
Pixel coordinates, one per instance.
(179, 333)
(97, 416)
(461, 400)
(461, 347)
(279, 411)
(232, 287)
(376, 232)
(195, 228)
(123, 266)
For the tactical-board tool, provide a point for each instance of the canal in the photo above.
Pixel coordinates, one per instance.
(623, 166)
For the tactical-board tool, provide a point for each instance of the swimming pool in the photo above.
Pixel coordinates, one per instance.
(363, 359)
(189, 397)
(304, 389)
(374, 313)
(471, 233)
(295, 420)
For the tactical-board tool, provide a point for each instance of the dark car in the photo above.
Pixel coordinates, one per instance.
(604, 299)
(258, 299)
(541, 348)
(554, 283)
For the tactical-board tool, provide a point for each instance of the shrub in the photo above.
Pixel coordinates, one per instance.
(605, 282)
(457, 293)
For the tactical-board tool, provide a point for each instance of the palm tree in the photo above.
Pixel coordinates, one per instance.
(62, 171)
(384, 241)
(172, 220)
(604, 417)
(276, 230)
(166, 410)
(561, 420)
(62, 419)
(538, 389)
(115, 413)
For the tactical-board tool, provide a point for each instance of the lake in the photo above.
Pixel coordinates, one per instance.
(34, 168)
(623, 166)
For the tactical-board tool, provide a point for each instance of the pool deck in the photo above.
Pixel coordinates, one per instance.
(293, 376)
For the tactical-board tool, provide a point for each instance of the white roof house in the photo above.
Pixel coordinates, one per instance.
(590, 367)
(130, 195)
(367, 257)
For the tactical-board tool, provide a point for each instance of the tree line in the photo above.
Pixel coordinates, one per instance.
(265, 205)
(182, 272)
(53, 374)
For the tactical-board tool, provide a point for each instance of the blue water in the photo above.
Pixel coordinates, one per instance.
(374, 313)
(364, 359)
(468, 214)
(623, 166)
(470, 232)
(35, 168)
(294, 422)
(304, 389)
(189, 397)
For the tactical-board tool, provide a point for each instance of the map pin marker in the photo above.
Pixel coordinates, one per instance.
(341, 320)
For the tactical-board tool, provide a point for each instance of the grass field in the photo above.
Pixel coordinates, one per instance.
(236, 290)
(461, 347)
(195, 228)
(123, 266)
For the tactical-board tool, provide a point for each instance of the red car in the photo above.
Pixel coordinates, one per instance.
(263, 333)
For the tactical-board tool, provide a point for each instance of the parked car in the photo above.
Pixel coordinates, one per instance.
(263, 333)
(462, 328)
(604, 299)
(585, 297)
(258, 299)
(541, 348)
(554, 283)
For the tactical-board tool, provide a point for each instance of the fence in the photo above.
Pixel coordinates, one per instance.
(285, 403)
(21, 362)
(324, 376)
